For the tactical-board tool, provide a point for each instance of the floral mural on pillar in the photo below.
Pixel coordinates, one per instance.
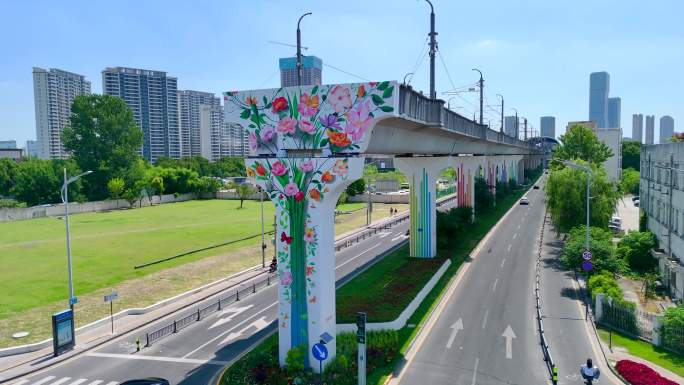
(334, 117)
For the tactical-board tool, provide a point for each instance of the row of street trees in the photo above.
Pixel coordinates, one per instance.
(103, 136)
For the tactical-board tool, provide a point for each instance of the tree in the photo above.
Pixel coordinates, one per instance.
(484, 199)
(629, 184)
(243, 191)
(116, 186)
(8, 170)
(635, 249)
(603, 253)
(357, 187)
(228, 166)
(102, 136)
(579, 142)
(631, 155)
(566, 197)
(38, 181)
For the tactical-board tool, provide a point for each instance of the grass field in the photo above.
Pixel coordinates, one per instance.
(106, 247)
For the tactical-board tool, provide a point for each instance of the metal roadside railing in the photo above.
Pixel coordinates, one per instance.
(550, 364)
(258, 284)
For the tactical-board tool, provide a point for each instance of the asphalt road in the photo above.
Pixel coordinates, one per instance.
(485, 331)
(198, 352)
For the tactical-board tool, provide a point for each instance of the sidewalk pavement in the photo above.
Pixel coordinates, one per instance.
(124, 325)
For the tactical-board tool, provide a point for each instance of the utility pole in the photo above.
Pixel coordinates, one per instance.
(299, 50)
(481, 82)
(502, 112)
(525, 128)
(517, 129)
(433, 51)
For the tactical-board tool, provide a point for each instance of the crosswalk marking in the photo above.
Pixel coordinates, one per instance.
(79, 381)
(61, 381)
(44, 380)
(112, 383)
(21, 382)
(96, 382)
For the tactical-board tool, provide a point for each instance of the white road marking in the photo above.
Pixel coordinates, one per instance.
(232, 312)
(458, 325)
(21, 382)
(383, 234)
(494, 285)
(518, 227)
(112, 383)
(515, 235)
(509, 247)
(502, 262)
(398, 237)
(477, 361)
(97, 382)
(79, 381)
(509, 335)
(360, 254)
(231, 329)
(259, 324)
(44, 380)
(61, 381)
(484, 321)
(157, 358)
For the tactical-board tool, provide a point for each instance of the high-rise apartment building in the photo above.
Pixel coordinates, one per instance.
(219, 138)
(511, 126)
(638, 127)
(152, 95)
(54, 92)
(189, 103)
(599, 87)
(614, 112)
(650, 127)
(666, 129)
(312, 71)
(548, 126)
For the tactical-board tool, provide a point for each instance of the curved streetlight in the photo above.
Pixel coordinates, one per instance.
(449, 102)
(481, 89)
(502, 112)
(299, 50)
(65, 200)
(407, 75)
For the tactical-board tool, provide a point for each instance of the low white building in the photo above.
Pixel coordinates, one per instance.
(662, 199)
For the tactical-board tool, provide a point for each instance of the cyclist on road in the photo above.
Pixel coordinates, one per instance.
(589, 372)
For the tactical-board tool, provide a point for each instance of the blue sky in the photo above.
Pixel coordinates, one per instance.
(537, 53)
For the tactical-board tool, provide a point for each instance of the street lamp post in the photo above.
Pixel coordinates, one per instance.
(433, 51)
(407, 75)
(65, 200)
(299, 50)
(263, 243)
(481, 90)
(502, 112)
(517, 133)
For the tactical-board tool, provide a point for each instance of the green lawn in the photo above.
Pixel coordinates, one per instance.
(351, 206)
(668, 360)
(106, 246)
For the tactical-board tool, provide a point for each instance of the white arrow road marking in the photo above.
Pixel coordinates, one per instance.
(458, 325)
(398, 237)
(509, 335)
(383, 234)
(259, 324)
(232, 313)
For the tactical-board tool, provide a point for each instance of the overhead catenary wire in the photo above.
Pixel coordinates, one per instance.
(346, 72)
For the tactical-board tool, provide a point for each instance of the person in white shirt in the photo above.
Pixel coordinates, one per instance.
(589, 372)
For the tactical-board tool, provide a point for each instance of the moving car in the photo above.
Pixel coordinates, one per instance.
(524, 201)
(635, 198)
(147, 381)
(617, 221)
(636, 203)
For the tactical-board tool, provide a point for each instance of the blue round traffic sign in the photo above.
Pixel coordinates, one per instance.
(320, 352)
(586, 265)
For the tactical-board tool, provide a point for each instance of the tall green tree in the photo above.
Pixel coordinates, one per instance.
(484, 199)
(116, 187)
(40, 181)
(8, 171)
(635, 249)
(566, 197)
(228, 166)
(631, 155)
(102, 136)
(603, 253)
(579, 142)
(629, 184)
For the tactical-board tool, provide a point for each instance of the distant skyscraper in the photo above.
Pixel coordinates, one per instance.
(650, 127)
(54, 92)
(614, 112)
(6, 144)
(31, 148)
(599, 88)
(312, 68)
(638, 127)
(548, 126)
(154, 100)
(189, 103)
(666, 128)
(511, 126)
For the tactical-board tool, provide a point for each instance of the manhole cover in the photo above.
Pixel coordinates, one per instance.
(20, 334)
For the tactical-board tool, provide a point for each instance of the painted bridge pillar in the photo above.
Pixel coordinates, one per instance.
(305, 144)
(422, 173)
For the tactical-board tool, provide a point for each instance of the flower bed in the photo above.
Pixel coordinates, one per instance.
(639, 374)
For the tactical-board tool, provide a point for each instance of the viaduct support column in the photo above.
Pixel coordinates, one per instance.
(422, 173)
(304, 192)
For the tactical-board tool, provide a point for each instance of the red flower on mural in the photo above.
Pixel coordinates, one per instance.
(327, 177)
(285, 238)
(338, 139)
(309, 270)
(299, 196)
(251, 101)
(260, 169)
(279, 104)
